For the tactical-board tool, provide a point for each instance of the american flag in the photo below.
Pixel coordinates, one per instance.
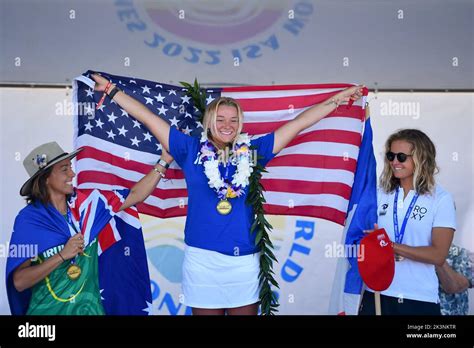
(312, 176)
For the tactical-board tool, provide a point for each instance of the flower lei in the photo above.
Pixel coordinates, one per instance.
(240, 179)
(261, 227)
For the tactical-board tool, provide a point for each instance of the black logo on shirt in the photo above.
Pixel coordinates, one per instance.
(383, 209)
(418, 212)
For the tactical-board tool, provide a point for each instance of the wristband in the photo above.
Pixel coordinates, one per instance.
(103, 96)
(333, 101)
(163, 163)
(114, 92)
(157, 171)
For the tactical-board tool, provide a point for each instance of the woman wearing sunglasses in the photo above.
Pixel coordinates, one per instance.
(419, 217)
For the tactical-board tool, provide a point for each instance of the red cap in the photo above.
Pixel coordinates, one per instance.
(376, 262)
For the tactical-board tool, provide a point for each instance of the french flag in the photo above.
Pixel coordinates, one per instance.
(361, 215)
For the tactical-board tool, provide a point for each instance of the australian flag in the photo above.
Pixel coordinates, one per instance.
(123, 270)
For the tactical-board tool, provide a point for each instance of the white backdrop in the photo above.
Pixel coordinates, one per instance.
(422, 44)
(31, 116)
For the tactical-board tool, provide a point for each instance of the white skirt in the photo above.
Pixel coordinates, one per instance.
(215, 280)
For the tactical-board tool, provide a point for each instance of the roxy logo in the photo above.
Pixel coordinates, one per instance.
(419, 212)
(37, 331)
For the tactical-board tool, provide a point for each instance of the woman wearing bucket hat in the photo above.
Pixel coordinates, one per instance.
(61, 277)
(419, 217)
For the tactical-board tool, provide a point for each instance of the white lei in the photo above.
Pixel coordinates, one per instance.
(240, 179)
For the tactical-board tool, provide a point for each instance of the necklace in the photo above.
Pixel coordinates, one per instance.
(74, 270)
(223, 188)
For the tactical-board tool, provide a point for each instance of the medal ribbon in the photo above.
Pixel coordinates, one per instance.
(399, 234)
(226, 177)
(70, 222)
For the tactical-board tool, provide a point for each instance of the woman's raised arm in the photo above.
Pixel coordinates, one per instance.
(143, 188)
(157, 126)
(306, 119)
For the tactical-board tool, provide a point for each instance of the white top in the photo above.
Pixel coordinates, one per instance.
(415, 280)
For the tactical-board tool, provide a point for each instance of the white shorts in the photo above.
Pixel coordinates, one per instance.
(215, 280)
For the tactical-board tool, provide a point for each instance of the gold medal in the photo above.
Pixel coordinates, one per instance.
(74, 272)
(399, 258)
(224, 207)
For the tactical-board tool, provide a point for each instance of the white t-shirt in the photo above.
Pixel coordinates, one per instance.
(415, 280)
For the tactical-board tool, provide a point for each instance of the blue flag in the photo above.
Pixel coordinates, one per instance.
(362, 211)
(361, 215)
(123, 269)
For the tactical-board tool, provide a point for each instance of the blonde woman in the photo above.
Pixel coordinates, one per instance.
(221, 263)
(419, 217)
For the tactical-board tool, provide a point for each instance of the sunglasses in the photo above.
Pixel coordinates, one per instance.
(401, 157)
